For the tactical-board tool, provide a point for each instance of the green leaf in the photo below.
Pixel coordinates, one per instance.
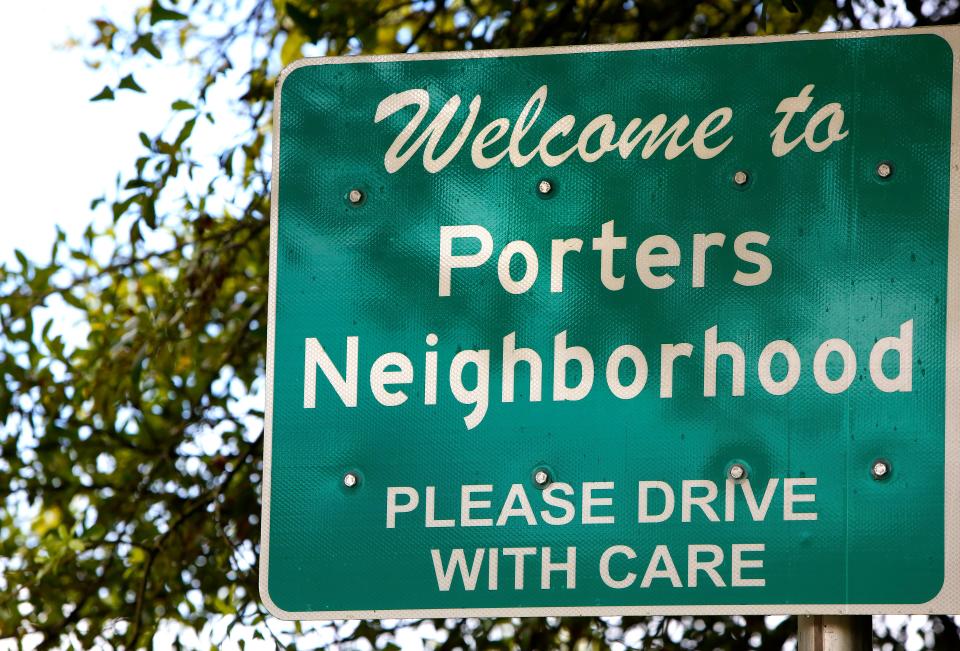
(121, 207)
(96, 531)
(145, 42)
(159, 13)
(105, 94)
(182, 105)
(226, 162)
(148, 211)
(185, 132)
(135, 235)
(21, 258)
(145, 139)
(290, 51)
(129, 83)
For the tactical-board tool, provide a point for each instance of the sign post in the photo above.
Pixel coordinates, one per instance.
(616, 330)
(834, 633)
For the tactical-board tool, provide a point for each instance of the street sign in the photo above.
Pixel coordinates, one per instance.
(632, 329)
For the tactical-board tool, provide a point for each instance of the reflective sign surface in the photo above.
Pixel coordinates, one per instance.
(627, 330)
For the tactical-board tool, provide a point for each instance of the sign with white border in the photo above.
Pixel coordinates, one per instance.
(616, 330)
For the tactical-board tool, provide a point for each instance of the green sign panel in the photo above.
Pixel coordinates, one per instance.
(616, 330)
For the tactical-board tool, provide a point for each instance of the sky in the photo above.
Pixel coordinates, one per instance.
(61, 151)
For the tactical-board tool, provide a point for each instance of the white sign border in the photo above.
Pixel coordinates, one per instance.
(947, 601)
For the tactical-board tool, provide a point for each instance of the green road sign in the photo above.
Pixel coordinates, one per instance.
(616, 330)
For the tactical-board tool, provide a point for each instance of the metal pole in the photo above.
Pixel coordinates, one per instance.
(834, 633)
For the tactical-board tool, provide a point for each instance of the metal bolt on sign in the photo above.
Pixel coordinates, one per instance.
(885, 170)
(737, 472)
(350, 480)
(541, 478)
(355, 196)
(740, 177)
(544, 187)
(880, 469)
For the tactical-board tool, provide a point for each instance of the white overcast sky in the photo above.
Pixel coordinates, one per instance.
(60, 149)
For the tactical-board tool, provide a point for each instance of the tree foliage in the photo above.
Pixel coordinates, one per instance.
(131, 446)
